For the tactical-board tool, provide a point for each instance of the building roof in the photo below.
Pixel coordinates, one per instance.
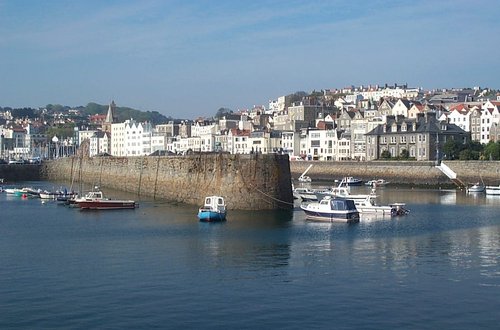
(422, 124)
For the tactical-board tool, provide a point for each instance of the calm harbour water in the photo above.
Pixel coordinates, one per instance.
(157, 266)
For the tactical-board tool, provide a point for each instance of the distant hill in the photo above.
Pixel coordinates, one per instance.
(124, 113)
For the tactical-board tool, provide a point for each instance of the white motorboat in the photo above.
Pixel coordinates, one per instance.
(305, 194)
(492, 190)
(476, 188)
(376, 183)
(331, 209)
(303, 177)
(351, 181)
(344, 191)
(370, 206)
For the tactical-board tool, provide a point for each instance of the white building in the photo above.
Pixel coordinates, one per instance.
(490, 115)
(131, 138)
(100, 143)
(85, 135)
(326, 145)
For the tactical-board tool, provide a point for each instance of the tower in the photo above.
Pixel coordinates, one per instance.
(110, 117)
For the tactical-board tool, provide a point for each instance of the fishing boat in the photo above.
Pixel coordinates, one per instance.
(492, 190)
(331, 209)
(214, 209)
(95, 200)
(58, 194)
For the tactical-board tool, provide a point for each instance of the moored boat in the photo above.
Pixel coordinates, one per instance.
(332, 209)
(95, 200)
(305, 194)
(476, 188)
(351, 181)
(303, 177)
(376, 183)
(214, 209)
(369, 206)
(492, 190)
(12, 191)
(342, 190)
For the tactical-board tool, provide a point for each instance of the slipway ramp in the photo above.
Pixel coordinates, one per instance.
(450, 174)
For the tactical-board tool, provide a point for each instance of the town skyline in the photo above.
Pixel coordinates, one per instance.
(188, 59)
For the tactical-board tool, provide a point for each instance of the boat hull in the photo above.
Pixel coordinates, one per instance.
(333, 216)
(210, 216)
(492, 190)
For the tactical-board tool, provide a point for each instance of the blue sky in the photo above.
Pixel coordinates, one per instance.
(189, 58)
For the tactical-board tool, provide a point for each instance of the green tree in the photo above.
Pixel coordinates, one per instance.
(451, 149)
(492, 151)
(223, 112)
(385, 154)
(62, 131)
(405, 154)
(468, 154)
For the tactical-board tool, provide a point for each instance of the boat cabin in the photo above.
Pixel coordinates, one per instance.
(214, 203)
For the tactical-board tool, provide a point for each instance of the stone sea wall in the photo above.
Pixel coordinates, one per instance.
(400, 172)
(17, 172)
(248, 182)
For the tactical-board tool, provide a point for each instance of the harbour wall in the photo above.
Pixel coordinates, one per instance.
(248, 182)
(400, 172)
(17, 172)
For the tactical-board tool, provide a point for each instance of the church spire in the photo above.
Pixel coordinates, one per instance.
(110, 117)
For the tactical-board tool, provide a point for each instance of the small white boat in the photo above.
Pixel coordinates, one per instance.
(342, 190)
(11, 191)
(214, 209)
(331, 209)
(304, 194)
(376, 183)
(476, 188)
(351, 181)
(369, 206)
(303, 177)
(492, 190)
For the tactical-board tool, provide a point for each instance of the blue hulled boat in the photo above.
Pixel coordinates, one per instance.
(214, 209)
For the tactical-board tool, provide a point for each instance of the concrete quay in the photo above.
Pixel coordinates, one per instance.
(400, 172)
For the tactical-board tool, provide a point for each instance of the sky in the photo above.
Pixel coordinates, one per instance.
(187, 59)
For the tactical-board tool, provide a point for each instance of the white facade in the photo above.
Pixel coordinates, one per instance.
(99, 144)
(325, 145)
(85, 135)
(199, 130)
(397, 92)
(291, 143)
(131, 139)
(461, 118)
(158, 142)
